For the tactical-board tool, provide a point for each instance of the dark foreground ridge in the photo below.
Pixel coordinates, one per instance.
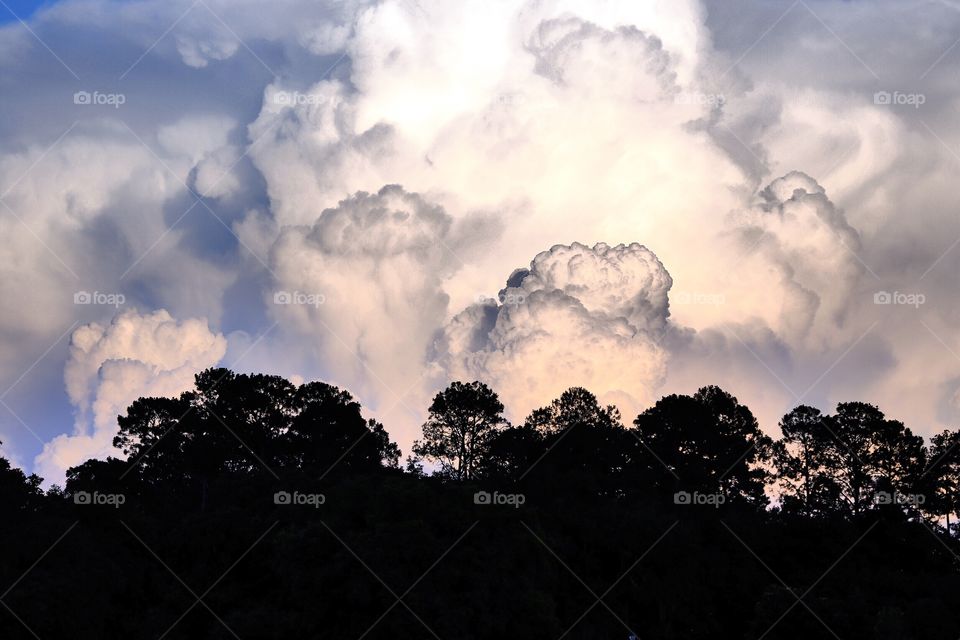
(252, 508)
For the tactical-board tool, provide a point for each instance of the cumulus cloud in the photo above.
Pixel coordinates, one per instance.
(622, 281)
(798, 233)
(149, 355)
(600, 317)
(579, 316)
(665, 122)
(51, 200)
(788, 310)
(87, 212)
(364, 285)
(559, 96)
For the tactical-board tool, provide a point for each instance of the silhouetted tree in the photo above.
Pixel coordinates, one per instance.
(575, 406)
(851, 460)
(707, 443)
(805, 460)
(854, 426)
(463, 420)
(237, 423)
(18, 491)
(270, 566)
(101, 475)
(577, 439)
(898, 459)
(329, 429)
(152, 434)
(513, 452)
(943, 475)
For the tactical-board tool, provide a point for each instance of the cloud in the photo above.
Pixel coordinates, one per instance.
(52, 199)
(363, 286)
(798, 233)
(567, 112)
(762, 173)
(622, 281)
(600, 317)
(151, 355)
(579, 316)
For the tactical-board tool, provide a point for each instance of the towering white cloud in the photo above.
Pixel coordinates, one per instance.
(548, 112)
(807, 256)
(363, 286)
(579, 316)
(622, 281)
(151, 355)
(565, 120)
(788, 309)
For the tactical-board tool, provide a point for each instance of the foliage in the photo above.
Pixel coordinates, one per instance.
(284, 510)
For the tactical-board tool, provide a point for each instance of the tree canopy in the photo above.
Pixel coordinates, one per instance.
(464, 419)
(283, 509)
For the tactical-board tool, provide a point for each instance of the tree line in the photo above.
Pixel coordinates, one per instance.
(838, 465)
(841, 527)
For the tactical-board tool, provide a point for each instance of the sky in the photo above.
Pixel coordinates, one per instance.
(12, 10)
(636, 197)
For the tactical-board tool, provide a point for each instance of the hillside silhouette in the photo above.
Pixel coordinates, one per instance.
(250, 507)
